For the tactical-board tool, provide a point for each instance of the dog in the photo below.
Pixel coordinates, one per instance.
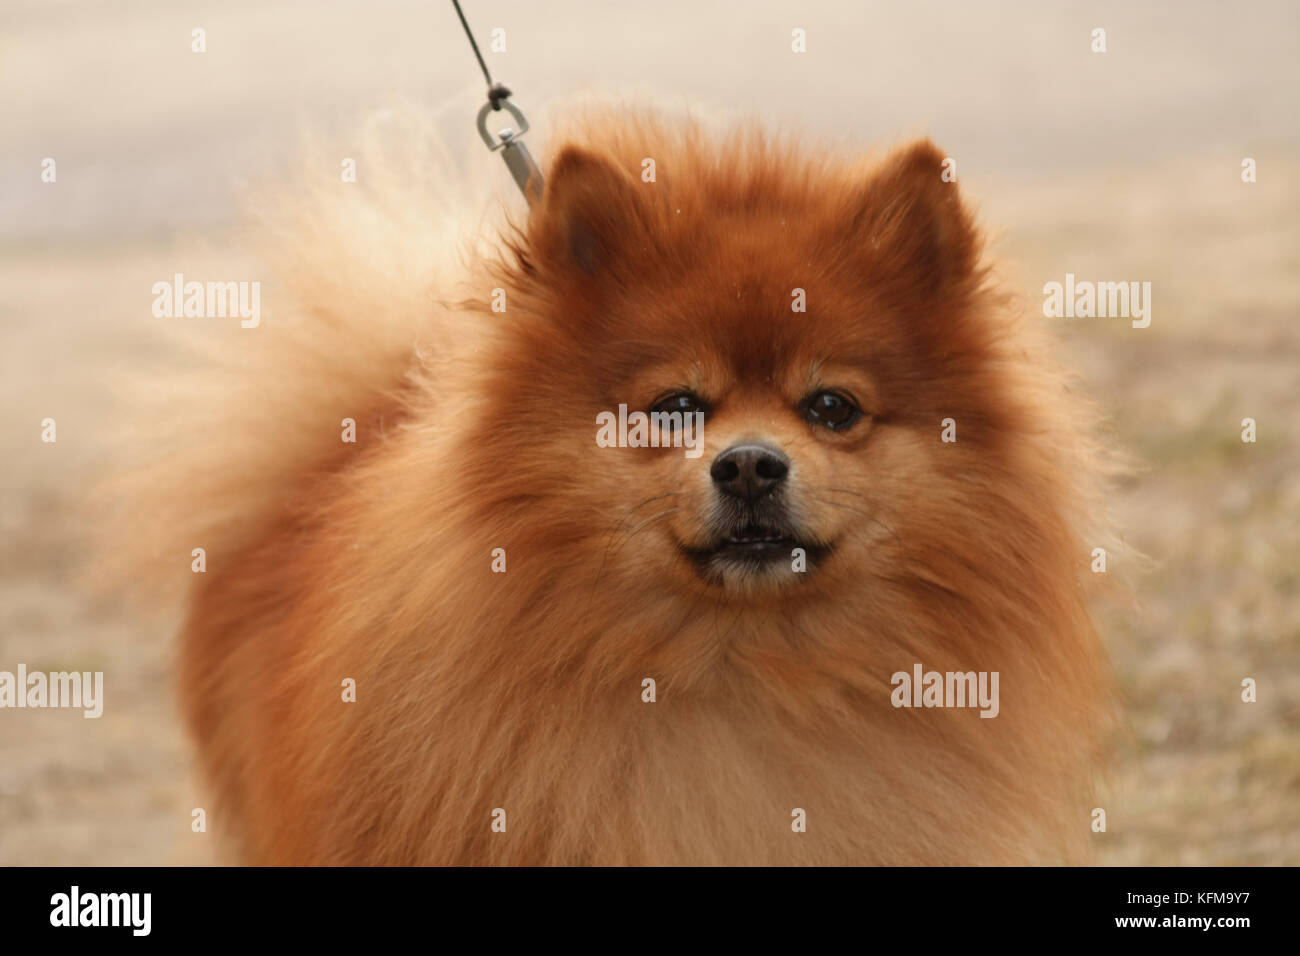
(464, 629)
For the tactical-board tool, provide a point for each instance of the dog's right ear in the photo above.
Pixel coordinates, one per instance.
(914, 223)
(590, 211)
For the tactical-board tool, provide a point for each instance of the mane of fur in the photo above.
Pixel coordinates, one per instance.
(522, 691)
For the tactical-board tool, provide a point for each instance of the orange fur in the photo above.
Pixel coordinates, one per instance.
(522, 690)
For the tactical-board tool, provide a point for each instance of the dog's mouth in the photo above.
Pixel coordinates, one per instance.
(757, 541)
(753, 546)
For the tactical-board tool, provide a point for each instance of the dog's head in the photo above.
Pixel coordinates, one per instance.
(741, 370)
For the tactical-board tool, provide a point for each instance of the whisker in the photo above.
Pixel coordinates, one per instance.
(630, 515)
(857, 511)
(615, 535)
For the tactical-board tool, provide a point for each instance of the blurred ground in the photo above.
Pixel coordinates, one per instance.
(1115, 166)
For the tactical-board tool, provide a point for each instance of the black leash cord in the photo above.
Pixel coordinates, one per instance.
(496, 92)
(518, 160)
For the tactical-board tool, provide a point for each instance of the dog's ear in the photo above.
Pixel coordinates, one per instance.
(590, 212)
(912, 221)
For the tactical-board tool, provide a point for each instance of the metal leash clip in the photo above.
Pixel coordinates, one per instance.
(518, 160)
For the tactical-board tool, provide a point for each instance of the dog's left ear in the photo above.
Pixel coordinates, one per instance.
(914, 222)
(590, 212)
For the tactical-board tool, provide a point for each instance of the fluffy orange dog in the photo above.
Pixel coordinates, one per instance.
(565, 653)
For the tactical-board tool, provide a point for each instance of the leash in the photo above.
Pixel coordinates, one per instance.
(518, 160)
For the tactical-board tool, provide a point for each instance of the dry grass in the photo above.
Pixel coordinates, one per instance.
(1202, 777)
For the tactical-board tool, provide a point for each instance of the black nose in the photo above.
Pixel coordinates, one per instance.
(749, 471)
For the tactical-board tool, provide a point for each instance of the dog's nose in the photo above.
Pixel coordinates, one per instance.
(749, 471)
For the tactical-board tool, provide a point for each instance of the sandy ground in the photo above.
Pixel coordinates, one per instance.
(1116, 166)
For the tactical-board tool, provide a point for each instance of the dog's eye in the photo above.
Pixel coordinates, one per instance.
(684, 402)
(831, 409)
